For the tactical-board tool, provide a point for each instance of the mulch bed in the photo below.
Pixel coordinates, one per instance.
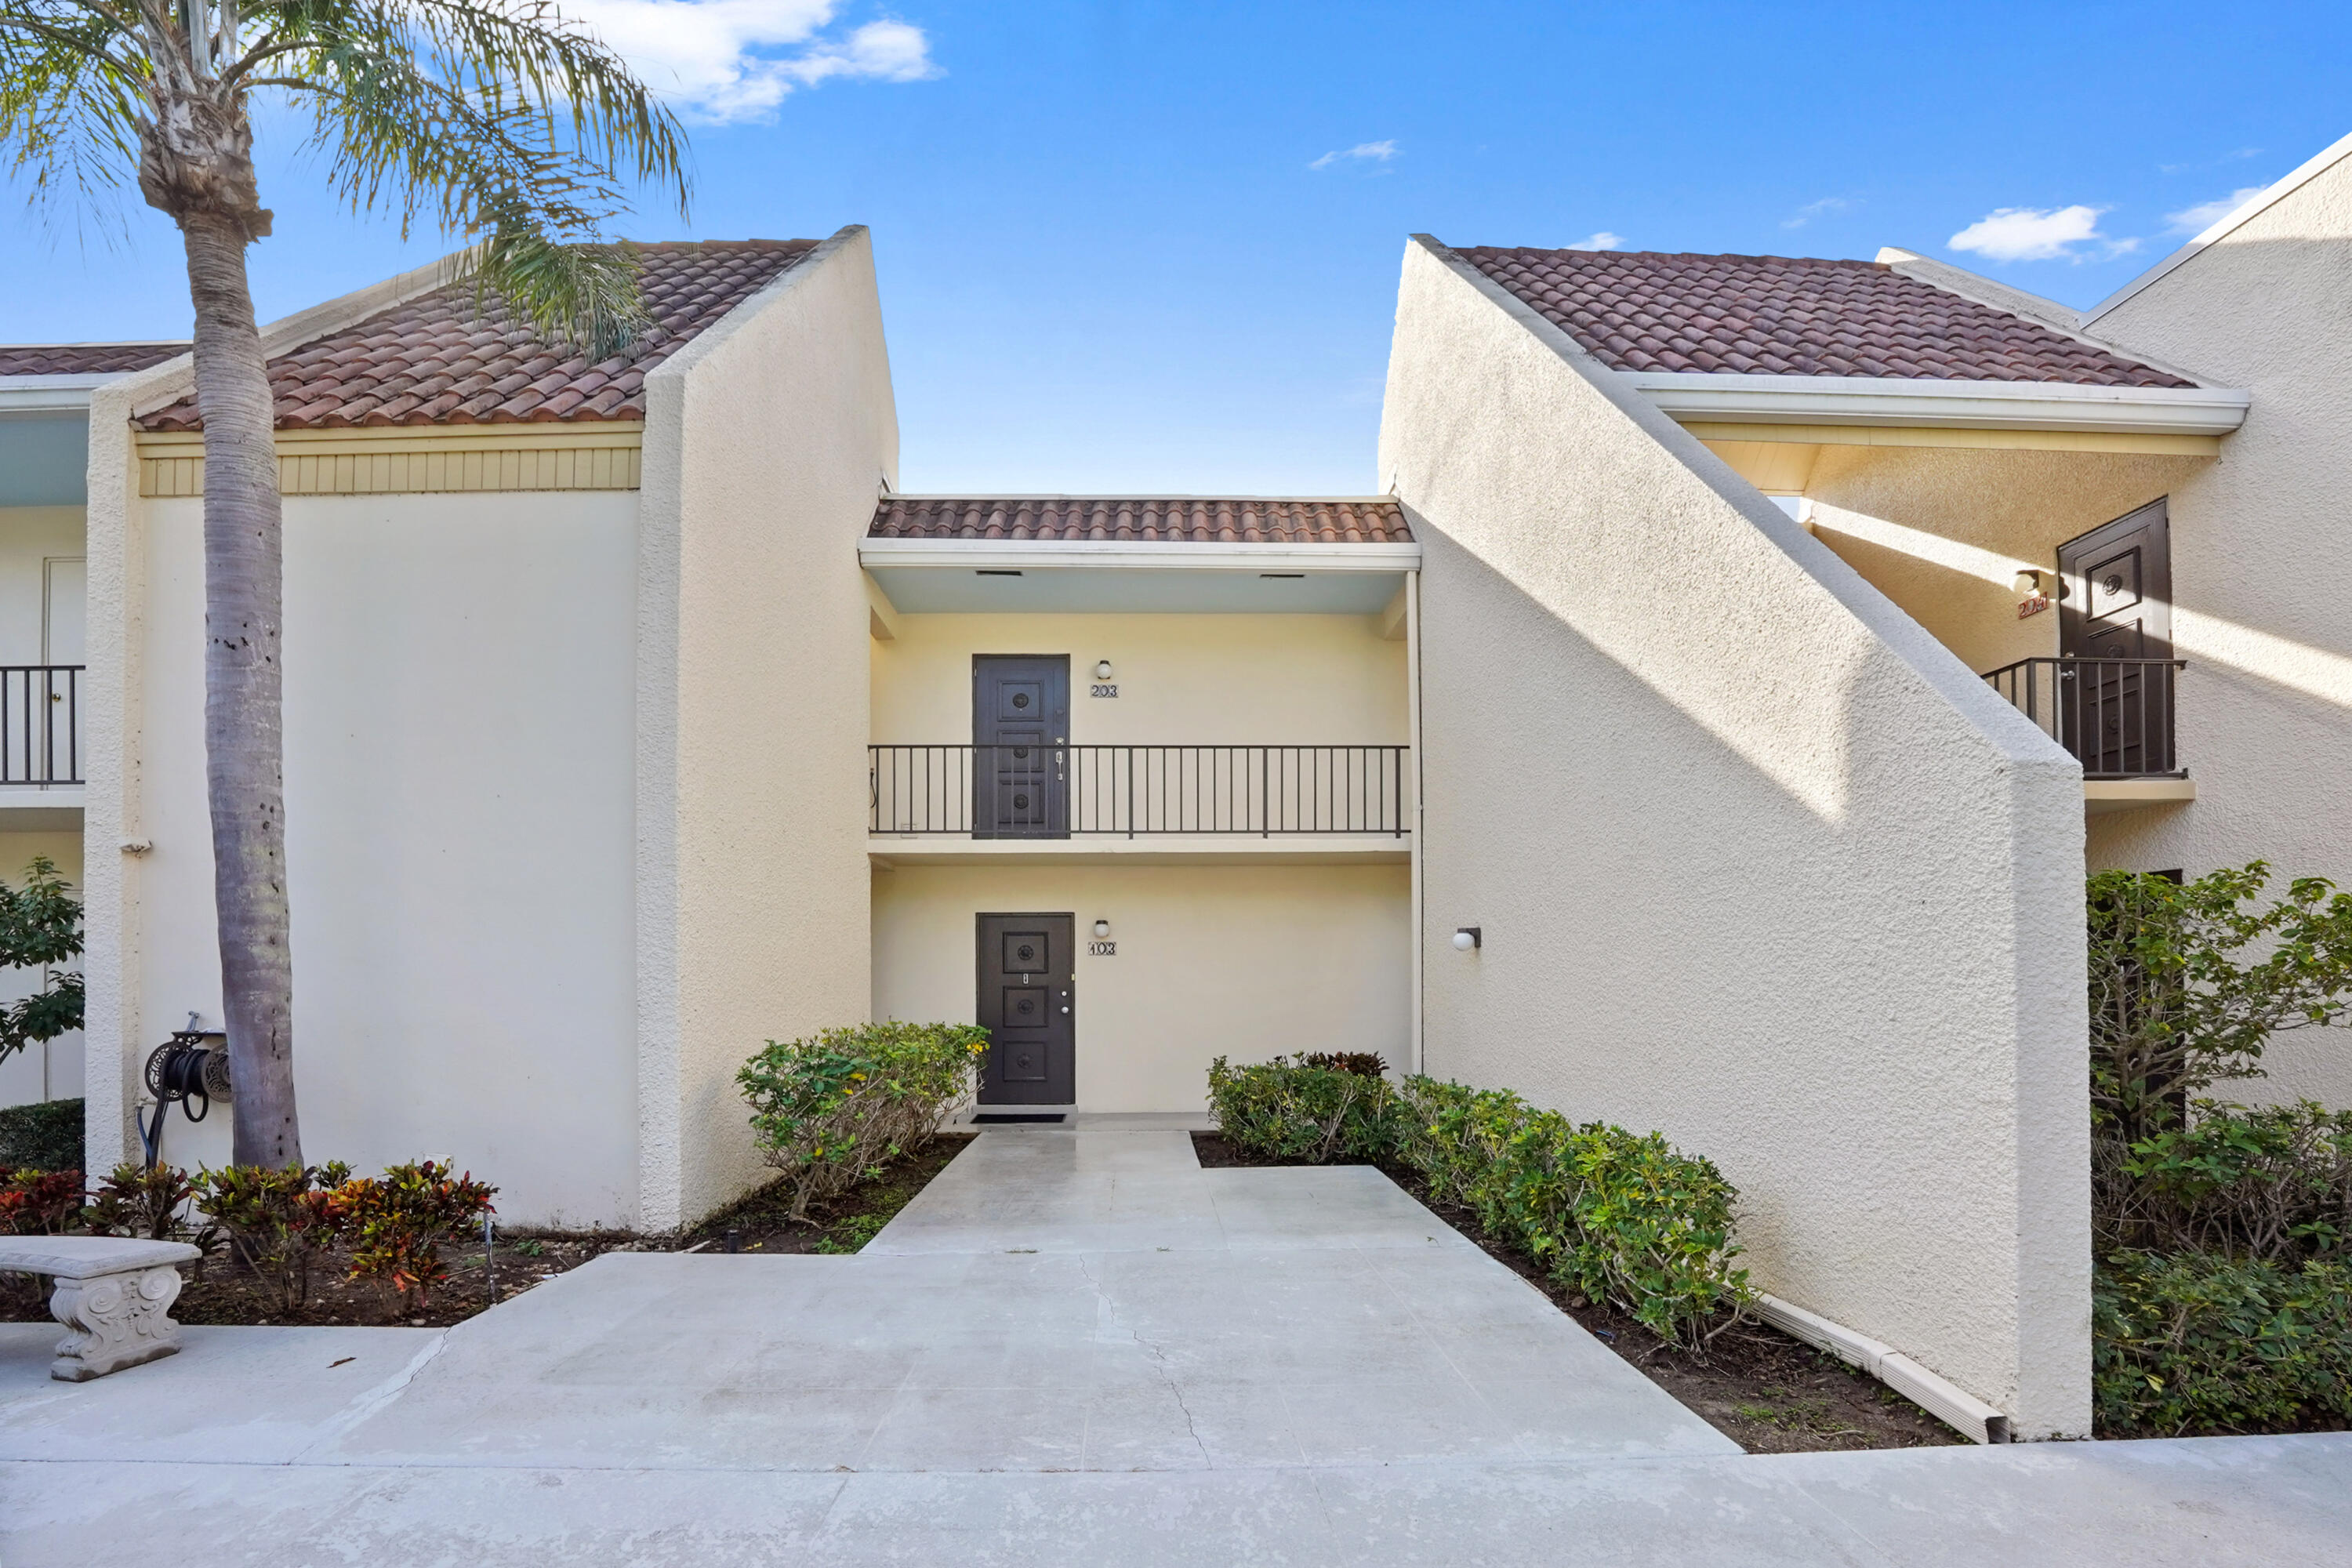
(1765, 1391)
(222, 1291)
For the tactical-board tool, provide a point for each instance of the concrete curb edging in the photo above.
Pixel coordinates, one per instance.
(1949, 1403)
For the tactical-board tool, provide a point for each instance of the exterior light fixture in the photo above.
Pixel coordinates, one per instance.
(1102, 669)
(1102, 930)
(1469, 937)
(2028, 583)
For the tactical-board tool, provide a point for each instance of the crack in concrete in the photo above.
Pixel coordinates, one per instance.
(1103, 1304)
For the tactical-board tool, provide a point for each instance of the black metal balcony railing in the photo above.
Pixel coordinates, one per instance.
(2113, 714)
(40, 724)
(1055, 791)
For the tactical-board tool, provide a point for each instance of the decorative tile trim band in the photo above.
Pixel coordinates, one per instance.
(344, 463)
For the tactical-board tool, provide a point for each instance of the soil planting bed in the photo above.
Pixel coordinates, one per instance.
(220, 1289)
(1768, 1393)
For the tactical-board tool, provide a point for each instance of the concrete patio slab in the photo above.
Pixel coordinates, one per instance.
(1076, 1347)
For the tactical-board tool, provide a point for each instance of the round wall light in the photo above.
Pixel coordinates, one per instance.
(1102, 930)
(1469, 937)
(1102, 669)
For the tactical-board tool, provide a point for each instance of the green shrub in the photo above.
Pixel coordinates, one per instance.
(2194, 1342)
(1312, 1114)
(275, 1219)
(43, 1136)
(136, 1201)
(40, 928)
(1368, 1063)
(395, 1224)
(829, 1110)
(1622, 1218)
(2272, 1183)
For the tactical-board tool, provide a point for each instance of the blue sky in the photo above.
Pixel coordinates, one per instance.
(1154, 247)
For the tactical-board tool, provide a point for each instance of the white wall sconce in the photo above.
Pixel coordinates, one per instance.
(2030, 583)
(1102, 931)
(1102, 669)
(1469, 937)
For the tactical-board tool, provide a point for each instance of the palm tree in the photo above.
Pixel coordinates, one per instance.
(495, 120)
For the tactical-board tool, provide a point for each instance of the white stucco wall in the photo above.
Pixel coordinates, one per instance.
(1247, 961)
(767, 439)
(2262, 567)
(1759, 863)
(459, 792)
(1182, 680)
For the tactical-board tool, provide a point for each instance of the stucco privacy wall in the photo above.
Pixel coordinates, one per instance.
(459, 809)
(50, 1072)
(1254, 679)
(2004, 510)
(1759, 863)
(2262, 566)
(117, 1015)
(767, 439)
(1239, 961)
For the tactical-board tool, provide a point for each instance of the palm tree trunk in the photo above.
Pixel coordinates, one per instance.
(244, 732)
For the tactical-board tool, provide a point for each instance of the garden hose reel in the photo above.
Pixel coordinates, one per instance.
(190, 1070)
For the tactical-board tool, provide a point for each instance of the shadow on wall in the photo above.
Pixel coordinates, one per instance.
(1812, 985)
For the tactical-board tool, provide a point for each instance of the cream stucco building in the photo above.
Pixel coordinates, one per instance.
(1752, 652)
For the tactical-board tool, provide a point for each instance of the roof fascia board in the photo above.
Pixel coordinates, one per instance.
(1104, 555)
(52, 394)
(2002, 725)
(706, 343)
(1957, 405)
(2271, 194)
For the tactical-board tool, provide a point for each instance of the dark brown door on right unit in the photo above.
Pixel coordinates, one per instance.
(2115, 710)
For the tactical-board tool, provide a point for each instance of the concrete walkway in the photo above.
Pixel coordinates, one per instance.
(1075, 1347)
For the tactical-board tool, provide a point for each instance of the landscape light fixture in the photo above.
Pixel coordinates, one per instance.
(1469, 937)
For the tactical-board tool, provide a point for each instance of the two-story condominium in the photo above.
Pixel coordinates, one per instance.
(1707, 728)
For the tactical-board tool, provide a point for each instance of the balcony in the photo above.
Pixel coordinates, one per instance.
(2115, 715)
(40, 724)
(1167, 801)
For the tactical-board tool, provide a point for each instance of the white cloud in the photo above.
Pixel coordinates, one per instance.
(1812, 210)
(1600, 239)
(2205, 215)
(1368, 152)
(735, 60)
(2030, 234)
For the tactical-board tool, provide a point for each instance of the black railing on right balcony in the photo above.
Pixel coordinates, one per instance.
(1060, 791)
(2113, 714)
(40, 724)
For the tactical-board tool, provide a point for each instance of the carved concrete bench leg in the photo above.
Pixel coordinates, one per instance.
(118, 1321)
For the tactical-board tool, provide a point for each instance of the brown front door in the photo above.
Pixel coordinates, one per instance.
(1020, 732)
(2116, 711)
(1025, 1005)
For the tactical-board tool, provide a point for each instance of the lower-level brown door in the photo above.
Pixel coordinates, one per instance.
(1025, 1006)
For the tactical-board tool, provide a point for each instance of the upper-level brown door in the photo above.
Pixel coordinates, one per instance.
(2114, 713)
(1020, 732)
(1025, 980)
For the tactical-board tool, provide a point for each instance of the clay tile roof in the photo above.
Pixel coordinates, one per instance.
(432, 361)
(1778, 315)
(1191, 519)
(83, 359)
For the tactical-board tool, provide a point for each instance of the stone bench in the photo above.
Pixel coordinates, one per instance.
(115, 1295)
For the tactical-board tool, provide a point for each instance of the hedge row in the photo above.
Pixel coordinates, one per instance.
(1620, 1217)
